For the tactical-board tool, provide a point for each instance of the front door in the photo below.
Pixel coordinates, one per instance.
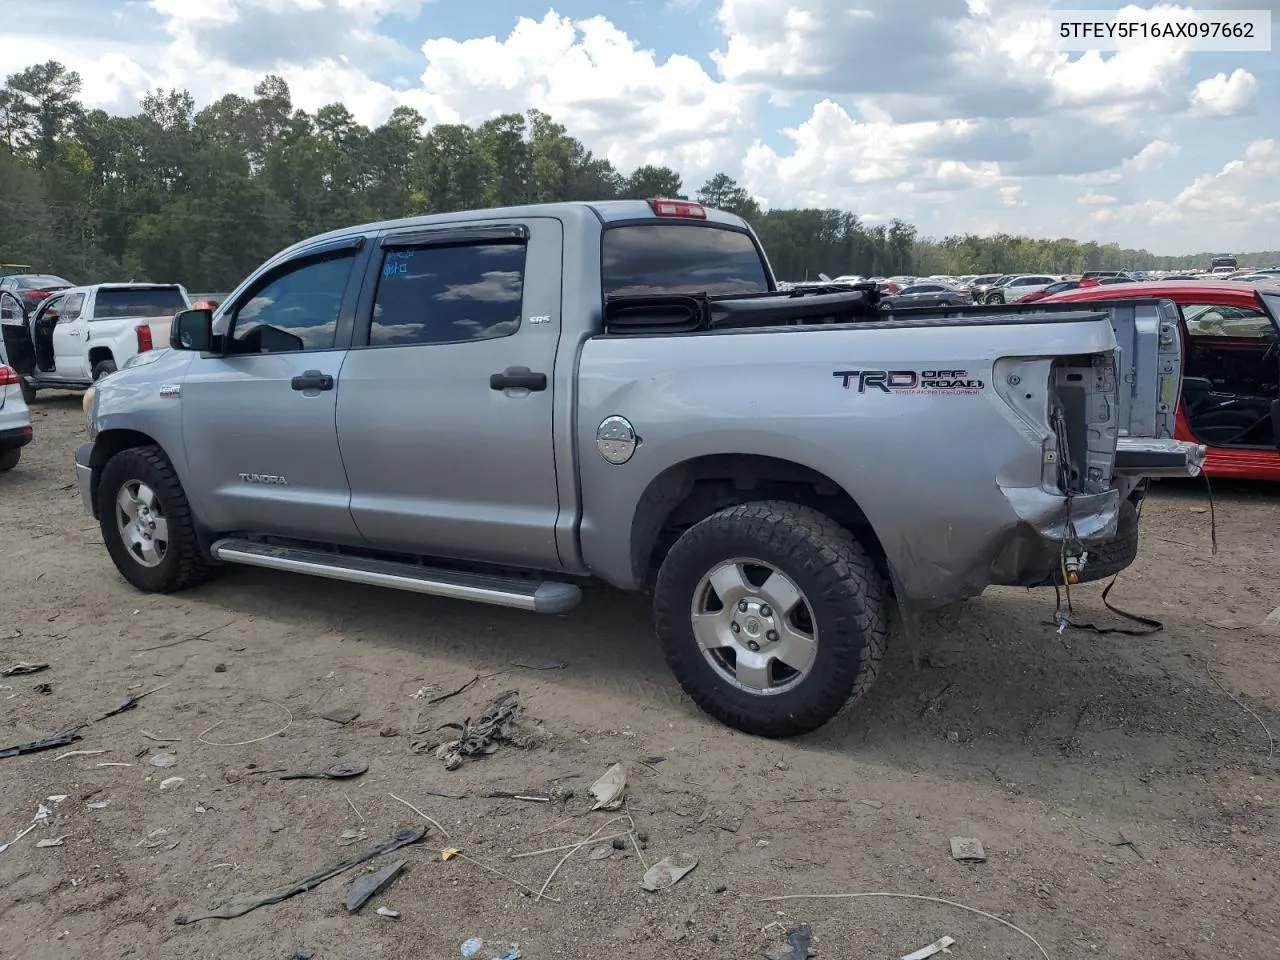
(70, 351)
(258, 419)
(446, 401)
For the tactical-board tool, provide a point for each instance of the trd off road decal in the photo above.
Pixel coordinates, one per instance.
(911, 381)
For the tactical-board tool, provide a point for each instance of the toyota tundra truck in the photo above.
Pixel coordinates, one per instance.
(500, 405)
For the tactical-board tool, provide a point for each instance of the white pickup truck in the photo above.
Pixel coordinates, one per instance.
(79, 335)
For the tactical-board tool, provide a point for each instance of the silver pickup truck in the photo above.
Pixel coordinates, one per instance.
(498, 405)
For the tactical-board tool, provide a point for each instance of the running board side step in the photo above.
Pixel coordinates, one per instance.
(532, 595)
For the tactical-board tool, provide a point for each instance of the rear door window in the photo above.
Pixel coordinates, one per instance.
(666, 258)
(115, 303)
(1218, 320)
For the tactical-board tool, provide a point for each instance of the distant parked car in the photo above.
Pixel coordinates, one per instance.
(1019, 287)
(982, 286)
(32, 289)
(1101, 274)
(927, 295)
(1062, 286)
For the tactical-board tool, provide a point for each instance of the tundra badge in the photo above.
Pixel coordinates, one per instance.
(263, 478)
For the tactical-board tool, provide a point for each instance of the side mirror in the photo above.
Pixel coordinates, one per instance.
(192, 330)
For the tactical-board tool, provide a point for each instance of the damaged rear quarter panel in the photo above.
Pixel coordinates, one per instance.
(944, 478)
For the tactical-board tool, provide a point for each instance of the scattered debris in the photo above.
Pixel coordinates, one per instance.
(513, 951)
(172, 782)
(721, 888)
(243, 904)
(420, 695)
(219, 668)
(368, 887)
(610, 789)
(388, 731)
(602, 852)
(450, 853)
(44, 743)
(354, 808)
(164, 760)
(967, 849)
(339, 771)
(130, 701)
(340, 715)
(173, 643)
(275, 825)
(729, 816)
(99, 804)
(667, 873)
(42, 816)
(652, 761)
(939, 946)
(388, 913)
(80, 753)
(44, 688)
(151, 736)
(471, 946)
(349, 837)
(244, 743)
(22, 669)
(508, 795)
(153, 839)
(620, 843)
(499, 723)
(909, 896)
(419, 813)
(57, 798)
(798, 938)
(109, 764)
(1123, 841)
(445, 696)
(873, 804)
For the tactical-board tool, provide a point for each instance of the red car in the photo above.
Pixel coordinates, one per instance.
(1231, 368)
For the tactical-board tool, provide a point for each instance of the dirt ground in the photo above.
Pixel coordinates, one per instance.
(1127, 804)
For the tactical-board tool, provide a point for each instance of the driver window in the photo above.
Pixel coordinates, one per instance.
(70, 308)
(1215, 320)
(294, 310)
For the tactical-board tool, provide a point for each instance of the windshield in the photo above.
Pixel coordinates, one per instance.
(640, 259)
(114, 303)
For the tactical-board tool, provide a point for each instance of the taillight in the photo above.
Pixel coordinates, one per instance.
(35, 294)
(144, 338)
(8, 376)
(678, 208)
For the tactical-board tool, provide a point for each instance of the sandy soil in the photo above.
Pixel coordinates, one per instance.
(1049, 749)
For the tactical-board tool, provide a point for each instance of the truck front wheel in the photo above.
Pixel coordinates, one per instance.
(146, 522)
(772, 617)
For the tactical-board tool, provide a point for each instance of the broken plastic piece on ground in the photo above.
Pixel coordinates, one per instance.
(22, 669)
(610, 789)
(798, 939)
(171, 782)
(667, 873)
(471, 946)
(388, 913)
(99, 804)
(244, 903)
(163, 760)
(340, 715)
(938, 946)
(513, 953)
(366, 888)
(967, 850)
(339, 771)
(349, 837)
(43, 743)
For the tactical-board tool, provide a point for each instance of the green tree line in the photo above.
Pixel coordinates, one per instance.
(202, 197)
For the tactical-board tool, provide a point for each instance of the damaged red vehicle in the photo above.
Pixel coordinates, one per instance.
(1231, 371)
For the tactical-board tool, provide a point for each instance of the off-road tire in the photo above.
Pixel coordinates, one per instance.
(28, 391)
(846, 594)
(9, 458)
(102, 368)
(1108, 559)
(183, 565)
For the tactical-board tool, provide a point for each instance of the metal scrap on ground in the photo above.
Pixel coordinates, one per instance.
(244, 903)
(22, 669)
(366, 888)
(43, 743)
(501, 722)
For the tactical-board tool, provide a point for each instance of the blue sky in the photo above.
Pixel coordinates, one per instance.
(958, 115)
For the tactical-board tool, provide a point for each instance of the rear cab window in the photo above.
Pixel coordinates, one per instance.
(117, 303)
(639, 259)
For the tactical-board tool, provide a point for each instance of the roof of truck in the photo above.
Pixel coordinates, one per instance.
(602, 211)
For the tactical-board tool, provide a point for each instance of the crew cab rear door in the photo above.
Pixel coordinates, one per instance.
(446, 399)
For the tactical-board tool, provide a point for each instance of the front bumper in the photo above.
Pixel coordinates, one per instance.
(84, 476)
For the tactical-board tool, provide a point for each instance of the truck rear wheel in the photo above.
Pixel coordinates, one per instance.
(146, 522)
(10, 458)
(772, 617)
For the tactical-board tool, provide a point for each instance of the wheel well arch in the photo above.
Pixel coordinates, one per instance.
(107, 444)
(98, 354)
(693, 490)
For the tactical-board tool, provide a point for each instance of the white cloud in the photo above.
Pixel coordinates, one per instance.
(1222, 95)
(1094, 199)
